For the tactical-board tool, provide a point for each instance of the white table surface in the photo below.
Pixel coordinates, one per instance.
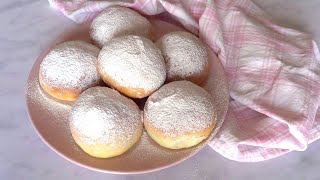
(28, 26)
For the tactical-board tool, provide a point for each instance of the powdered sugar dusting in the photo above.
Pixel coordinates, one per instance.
(133, 61)
(70, 65)
(185, 55)
(180, 107)
(102, 115)
(118, 21)
(52, 122)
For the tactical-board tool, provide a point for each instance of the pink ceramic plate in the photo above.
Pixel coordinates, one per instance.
(50, 119)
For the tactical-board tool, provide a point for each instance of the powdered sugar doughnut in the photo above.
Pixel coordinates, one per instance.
(118, 21)
(105, 123)
(179, 115)
(133, 65)
(69, 69)
(185, 55)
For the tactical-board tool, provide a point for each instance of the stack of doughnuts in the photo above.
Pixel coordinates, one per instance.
(123, 65)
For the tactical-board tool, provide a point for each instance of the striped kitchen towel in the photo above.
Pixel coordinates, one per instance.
(273, 72)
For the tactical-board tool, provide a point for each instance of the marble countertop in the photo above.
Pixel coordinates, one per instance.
(28, 26)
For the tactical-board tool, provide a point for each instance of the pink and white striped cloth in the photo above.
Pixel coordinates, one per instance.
(273, 72)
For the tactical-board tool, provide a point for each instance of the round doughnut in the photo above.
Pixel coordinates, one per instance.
(133, 65)
(118, 21)
(186, 57)
(105, 123)
(69, 69)
(179, 115)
